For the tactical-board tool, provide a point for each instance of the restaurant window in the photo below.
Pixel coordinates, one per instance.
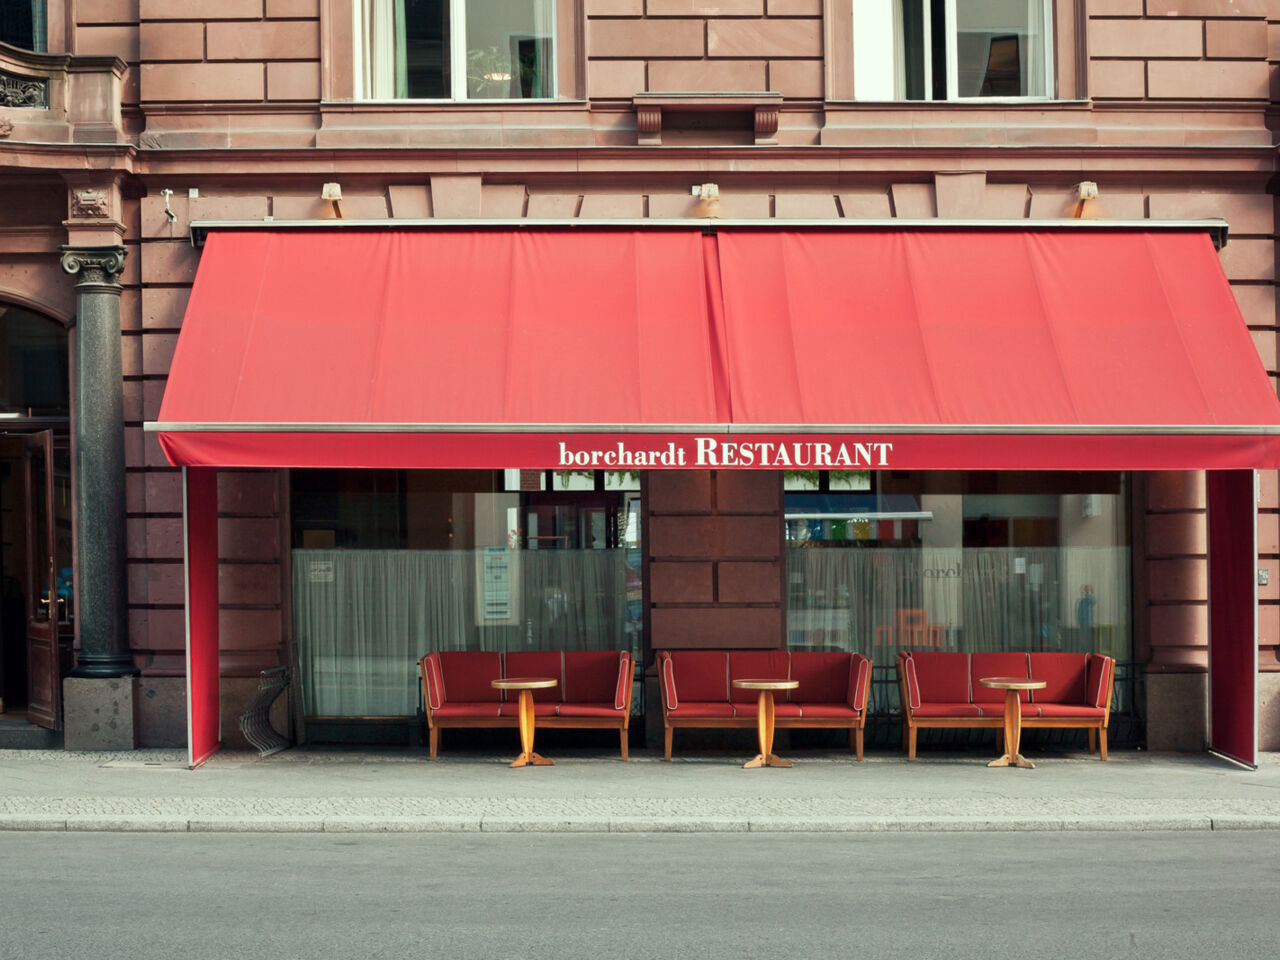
(952, 49)
(391, 564)
(23, 24)
(968, 562)
(455, 49)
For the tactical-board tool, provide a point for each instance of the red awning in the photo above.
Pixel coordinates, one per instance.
(911, 349)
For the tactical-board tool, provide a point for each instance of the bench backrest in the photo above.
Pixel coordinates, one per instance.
(585, 676)
(706, 676)
(935, 677)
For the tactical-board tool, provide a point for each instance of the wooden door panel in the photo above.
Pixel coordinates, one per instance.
(44, 676)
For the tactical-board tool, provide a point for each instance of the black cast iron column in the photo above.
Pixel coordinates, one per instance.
(99, 451)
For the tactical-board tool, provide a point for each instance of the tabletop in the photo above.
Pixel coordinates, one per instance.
(524, 683)
(766, 684)
(1012, 683)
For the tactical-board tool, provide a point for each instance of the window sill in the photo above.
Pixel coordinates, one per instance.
(453, 104)
(1026, 103)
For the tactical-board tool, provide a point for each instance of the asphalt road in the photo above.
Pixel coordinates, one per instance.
(955, 896)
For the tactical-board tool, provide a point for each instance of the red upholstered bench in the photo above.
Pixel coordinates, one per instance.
(594, 691)
(942, 690)
(697, 690)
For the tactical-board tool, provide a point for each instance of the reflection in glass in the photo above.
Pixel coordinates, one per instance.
(1000, 49)
(23, 23)
(33, 377)
(509, 49)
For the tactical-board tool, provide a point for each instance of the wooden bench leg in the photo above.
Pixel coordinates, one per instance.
(435, 742)
(1093, 739)
(623, 733)
(857, 737)
(666, 744)
(911, 743)
(1102, 741)
(999, 743)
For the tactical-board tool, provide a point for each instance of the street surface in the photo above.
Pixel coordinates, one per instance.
(992, 896)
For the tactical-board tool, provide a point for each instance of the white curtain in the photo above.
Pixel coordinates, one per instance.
(880, 601)
(363, 618)
(378, 49)
(544, 15)
(1035, 50)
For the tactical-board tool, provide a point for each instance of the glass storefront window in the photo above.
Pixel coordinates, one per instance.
(388, 565)
(962, 561)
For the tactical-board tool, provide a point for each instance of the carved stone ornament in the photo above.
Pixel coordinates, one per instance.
(648, 119)
(94, 264)
(23, 92)
(6, 127)
(766, 121)
(90, 203)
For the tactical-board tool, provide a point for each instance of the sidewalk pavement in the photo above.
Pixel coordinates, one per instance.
(343, 790)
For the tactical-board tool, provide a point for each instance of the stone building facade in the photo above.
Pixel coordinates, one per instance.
(148, 115)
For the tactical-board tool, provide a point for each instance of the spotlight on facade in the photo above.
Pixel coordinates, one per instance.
(333, 193)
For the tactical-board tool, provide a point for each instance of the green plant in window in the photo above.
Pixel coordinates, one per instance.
(566, 478)
(810, 477)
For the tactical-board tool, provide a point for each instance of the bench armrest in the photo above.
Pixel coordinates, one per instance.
(432, 681)
(667, 682)
(622, 694)
(859, 682)
(1102, 671)
(908, 682)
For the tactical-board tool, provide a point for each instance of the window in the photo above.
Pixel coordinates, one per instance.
(951, 50)
(22, 24)
(455, 49)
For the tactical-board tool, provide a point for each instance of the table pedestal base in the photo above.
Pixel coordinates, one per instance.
(532, 759)
(1018, 760)
(764, 730)
(1012, 734)
(772, 760)
(527, 756)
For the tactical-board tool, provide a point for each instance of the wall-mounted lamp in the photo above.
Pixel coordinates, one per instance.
(1085, 190)
(706, 192)
(333, 193)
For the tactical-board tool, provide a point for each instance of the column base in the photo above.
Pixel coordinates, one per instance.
(104, 666)
(98, 714)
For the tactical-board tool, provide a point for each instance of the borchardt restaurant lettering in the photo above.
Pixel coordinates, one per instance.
(712, 452)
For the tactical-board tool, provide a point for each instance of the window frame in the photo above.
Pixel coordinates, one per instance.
(561, 11)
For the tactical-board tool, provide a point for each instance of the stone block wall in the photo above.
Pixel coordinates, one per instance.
(663, 46)
(1178, 49)
(714, 570)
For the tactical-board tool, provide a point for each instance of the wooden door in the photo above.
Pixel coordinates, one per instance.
(44, 680)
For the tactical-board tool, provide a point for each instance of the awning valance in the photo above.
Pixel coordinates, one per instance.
(755, 348)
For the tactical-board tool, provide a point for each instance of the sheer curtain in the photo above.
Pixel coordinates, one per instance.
(381, 64)
(880, 601)
(1036, 51)
(363, 618)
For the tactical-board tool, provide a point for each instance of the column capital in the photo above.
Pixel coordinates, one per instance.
(94, 265)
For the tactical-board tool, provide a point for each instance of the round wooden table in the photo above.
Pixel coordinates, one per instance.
(764, 719)
(1012, 718)
(526, 686)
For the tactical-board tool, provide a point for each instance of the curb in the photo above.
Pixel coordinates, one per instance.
(168, 824)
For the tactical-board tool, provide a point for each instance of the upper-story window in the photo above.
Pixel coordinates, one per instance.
(22, 24)
(455, 49)
(952, 49)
